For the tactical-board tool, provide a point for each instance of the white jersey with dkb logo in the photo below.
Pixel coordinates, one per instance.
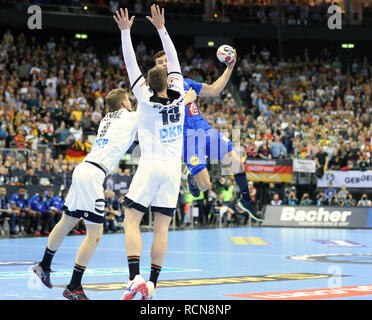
(160, 120)
(156, 182)
(116, 133)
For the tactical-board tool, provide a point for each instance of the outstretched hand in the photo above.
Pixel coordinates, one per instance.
(122, 19)
(232, 64)
(157, 17)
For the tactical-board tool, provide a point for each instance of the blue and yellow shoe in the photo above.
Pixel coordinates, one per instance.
(250, 208)
(191, 186)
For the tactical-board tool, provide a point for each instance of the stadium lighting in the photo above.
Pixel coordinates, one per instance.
(81, 36)
(210, 43)
(347, 45)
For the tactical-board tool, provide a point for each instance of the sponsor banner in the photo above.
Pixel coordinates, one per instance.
(300, 165)
(310, 294)
(279, 170)
(351, 179)
(314, 216)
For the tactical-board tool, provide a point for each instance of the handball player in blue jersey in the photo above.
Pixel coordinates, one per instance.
(201, 140)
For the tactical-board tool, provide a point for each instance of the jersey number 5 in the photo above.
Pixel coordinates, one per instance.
(172, 115)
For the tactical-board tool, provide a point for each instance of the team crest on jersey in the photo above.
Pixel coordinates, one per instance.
(194, 161)
(193, 109)
(101, 142)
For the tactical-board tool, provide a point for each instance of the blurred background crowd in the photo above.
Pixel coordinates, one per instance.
(52, 100)
(289, 12)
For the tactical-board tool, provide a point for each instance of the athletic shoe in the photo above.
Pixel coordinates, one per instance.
(43, 275)
(250, 208)
(134, 286)
(149, 292)
(75, 294)
(191, 186)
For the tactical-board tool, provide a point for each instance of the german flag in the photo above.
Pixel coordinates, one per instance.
(278, 170)
(78, 151)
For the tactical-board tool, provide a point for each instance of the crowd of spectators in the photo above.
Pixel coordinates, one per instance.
(52, 100)
(329, 197)
(219, 205)
(292, 12)
(306, 108)
(38, 213)
(173, 8)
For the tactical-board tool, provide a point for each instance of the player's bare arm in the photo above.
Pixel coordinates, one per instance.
(213, 90)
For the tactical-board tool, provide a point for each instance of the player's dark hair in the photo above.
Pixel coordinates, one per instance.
(157, 79)
(115, 98)
(159, 54)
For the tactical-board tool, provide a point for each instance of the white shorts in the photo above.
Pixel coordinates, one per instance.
(85, 198)
(156, 183)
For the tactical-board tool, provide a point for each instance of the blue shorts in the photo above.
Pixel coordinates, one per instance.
(199, 144)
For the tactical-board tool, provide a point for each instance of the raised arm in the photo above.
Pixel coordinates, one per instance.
(124, 24)
(214, 89)
(158, 20)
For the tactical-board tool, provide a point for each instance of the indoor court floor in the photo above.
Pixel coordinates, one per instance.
(207, 264)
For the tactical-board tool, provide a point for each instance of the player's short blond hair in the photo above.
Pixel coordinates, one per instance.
(115, 98)
(157, 79)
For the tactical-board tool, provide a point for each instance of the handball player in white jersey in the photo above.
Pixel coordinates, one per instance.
(85, 198)
(157, 180)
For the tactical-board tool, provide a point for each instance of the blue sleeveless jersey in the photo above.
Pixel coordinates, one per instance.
(193, 119)
(198, 144)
